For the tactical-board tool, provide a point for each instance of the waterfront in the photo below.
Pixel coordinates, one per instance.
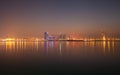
(60, 56)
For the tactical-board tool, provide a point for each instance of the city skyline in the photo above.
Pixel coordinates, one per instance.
(33, 18)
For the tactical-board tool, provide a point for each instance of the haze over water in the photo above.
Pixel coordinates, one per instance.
(31, 18)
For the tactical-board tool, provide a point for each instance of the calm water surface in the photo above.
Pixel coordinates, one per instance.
(59, 56)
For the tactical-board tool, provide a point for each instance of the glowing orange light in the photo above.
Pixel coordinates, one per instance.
(10, 45)
(104, 38)
(9, 39)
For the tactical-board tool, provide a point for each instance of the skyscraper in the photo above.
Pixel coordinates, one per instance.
(46, 36)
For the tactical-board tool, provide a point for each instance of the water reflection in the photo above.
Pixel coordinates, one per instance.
(60, 47)
(92, 44)
(36, 45)
(10, 45)
(104, 47)
(46, 46)
(113, 47)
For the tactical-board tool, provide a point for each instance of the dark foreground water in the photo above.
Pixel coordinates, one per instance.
(59, 57)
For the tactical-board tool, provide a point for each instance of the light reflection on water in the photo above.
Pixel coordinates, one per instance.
(59, 55)
(104, 47)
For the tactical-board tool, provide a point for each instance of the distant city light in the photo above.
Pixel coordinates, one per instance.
(62, 37)
(8, 39)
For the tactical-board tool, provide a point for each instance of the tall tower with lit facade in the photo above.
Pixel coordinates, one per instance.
(46, 36)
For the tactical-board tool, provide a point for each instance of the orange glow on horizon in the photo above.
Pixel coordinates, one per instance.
(9, 39)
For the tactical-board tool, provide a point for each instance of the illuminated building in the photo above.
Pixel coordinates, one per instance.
(62, 37)
(46, 36)
(51, 38)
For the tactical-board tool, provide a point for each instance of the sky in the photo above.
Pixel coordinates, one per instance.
(34, 17)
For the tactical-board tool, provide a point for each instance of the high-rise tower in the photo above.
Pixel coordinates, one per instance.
(46, 36)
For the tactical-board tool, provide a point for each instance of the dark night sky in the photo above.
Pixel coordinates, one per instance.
(32, 17)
